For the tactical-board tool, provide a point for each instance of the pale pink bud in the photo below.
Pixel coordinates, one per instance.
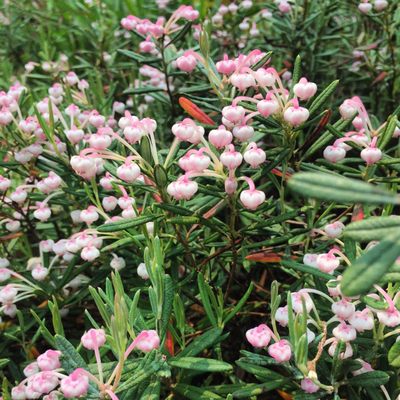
(259, 337)
(128, 172)
(327, 262)
(43, 382)
(142, 271)
(254, 155)
(18, 393)
(96, 119)
(49, 360)
(346, 354)
(117, 263)
(133, 134)
(89, 215)
(280, 351)
(85, 167)
(242, 81)
(365, 8)
(334, 153)
(220, 137)
(371, 155)
(230, 185)
(147, 341)
(282, 316)
(304, 90)
(8, 293)
(265, 77)
(362, 320)
(106, 182)
(75, 385)
(109, 203)
(90, 253)
(344, 332)
(186, 63)
(42, 213)
(390, 317)
(5, 183)
(99, 141)
(75, 135)
(71, 78)
(365, 367)
(93, 339)
(334, 229)
(380, 5)
(268, 107)
(13, 226)
(19, 196)
(252, 198)
(310, 260)
(234, 114)
(284, 7)
(343, 309)
(39, 273)
(296, 116)
(4, 274)
(183, 188)
(309, 386)
(297, 301)
(243, 133)
(348, 108)
(231, 158)
(226, 66)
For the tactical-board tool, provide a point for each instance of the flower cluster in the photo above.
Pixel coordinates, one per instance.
(44, 377)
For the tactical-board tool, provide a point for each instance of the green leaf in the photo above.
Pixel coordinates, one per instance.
(321, 99)
(153, 391)
(239, 304)
(305, 268)
(372, 378)
(255, 390)
(385, 137)
(195, 393)
(168, 299)
(394, 355)
(258, 371)
(374, 228)
(126, 223)
(200, 364)
(204, 289)
(370, 267)
(201, 343)
(70, 359)
(181, 34)
(331, 187)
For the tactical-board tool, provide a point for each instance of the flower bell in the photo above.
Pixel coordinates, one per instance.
(304, 90)
(251, 198)
(220, 137)
(259, 336)
(280, 351)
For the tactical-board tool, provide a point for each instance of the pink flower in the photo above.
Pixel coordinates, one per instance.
(309, 386)
(259, 336)
(49, 360)
(147, 341)
(75, 385)
(280, 351)
(93, 339)
(304, 89)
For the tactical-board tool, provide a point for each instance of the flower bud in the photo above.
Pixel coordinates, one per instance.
(280, 351)
(93, 339)
(259, 336)
(49, 360)
(147, 341)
